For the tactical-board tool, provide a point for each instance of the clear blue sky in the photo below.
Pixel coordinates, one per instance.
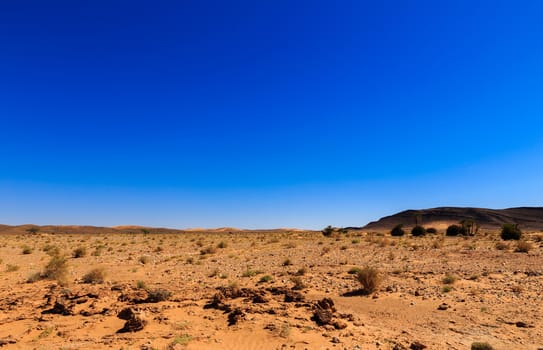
(266, 113)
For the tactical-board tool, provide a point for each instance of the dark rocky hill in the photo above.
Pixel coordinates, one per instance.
(528, 218)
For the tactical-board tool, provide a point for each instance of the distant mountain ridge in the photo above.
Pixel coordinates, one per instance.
(528, 218)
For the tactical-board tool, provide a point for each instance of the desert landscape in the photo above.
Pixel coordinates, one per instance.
(72, 287)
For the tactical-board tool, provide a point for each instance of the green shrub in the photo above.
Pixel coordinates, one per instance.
(265, 279)
(510, 231)
(27, 250)
(328, 231)
(354, 270)
(418, 231)
(397, 231)
(56, 269)
(455, 230)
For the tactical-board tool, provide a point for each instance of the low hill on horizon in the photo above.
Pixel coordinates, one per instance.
(528, 218)
(128, 229)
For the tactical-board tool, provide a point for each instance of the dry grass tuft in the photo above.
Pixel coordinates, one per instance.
(369, 278)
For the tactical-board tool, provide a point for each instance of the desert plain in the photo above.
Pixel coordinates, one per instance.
(135, 288)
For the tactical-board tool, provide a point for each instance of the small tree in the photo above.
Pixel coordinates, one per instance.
(397, 231)
(418, 231)
(328, 231)
(511, 231)
(33, 230)
(455, 230)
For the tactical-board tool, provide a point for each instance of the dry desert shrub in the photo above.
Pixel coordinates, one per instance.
(95, 276)
(298, 283)
(79, 252)
(523, 247)
(27, 250)
(158, 295)
(208, 250)
(56, 269)
(449, 279)
(502, 246)
(369, 278)
(481, 346)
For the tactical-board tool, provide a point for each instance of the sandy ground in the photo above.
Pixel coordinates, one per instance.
(238, 290)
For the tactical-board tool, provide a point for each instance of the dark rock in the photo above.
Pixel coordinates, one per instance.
(126, 313)
(322, 317)
(326, 304)
(443, 307)
(235, 316)
(293, 297)
(61, 307)
(417, 346)
(134, 324)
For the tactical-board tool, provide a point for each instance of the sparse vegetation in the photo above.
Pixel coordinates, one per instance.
(455, 230)
(369, 278)
(79, 252)
(328, 231)
(418, 231)
(449, 279)
(511, 232)
(397, 231)
(265, 279)
(94, 276)
(481, 346)
(56, 269)
(523, 247)
(27, 250)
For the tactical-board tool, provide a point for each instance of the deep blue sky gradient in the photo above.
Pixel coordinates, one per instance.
(266, 113)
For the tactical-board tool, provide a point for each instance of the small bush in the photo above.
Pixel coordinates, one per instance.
(397, 231)
(301, 271)
(208, 250)
(502, 246)
(94, 276)
(222, 245)
(251, 273)
(34, 277)
(455, 230)
(431, 230)
(158, 295)
(79, 252)
(12, 268)
(354, 270)
(481, 346)
(523, 247)
(265, 279)
(56, 269)
(328, 231)
(298, 283)
(449, 279)
(141, 285)
(510, 231)
(369, 278)
(287, 262)
(418, 231)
